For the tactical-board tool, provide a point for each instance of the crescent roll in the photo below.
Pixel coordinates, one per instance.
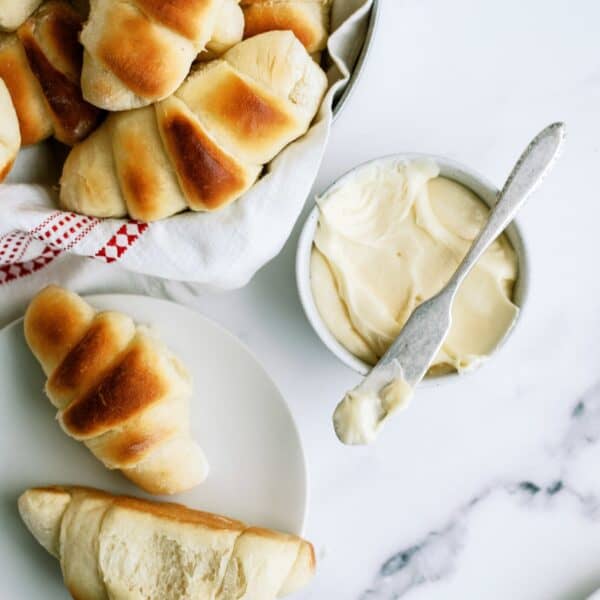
(139, 51)
(123, 548)
(117, 389)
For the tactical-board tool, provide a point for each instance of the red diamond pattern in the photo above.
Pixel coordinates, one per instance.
(125, 237)
(60, 236)
(9, 273)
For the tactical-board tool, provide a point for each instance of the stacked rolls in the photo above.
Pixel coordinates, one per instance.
(169, 143)
(138, 52)
(203, 147)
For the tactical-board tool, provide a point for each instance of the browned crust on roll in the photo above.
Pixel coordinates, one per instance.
(209, 177)
(60, 490)
(65, 25)
(75, 593)
(179, 513)
(182, 16)
(98, 346)
(313, 558)
(135, 54)
(73, 117)
(136, 183)
(140, 186)
(244, 110)
(283, 17)
(166, 510)
(25, 91)
(59, 26)
(54, 322)
(124, 392)
(6, 169)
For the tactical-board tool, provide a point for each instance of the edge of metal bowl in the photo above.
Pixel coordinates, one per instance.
(361, 62)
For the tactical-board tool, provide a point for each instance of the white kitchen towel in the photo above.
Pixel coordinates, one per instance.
(218, 250)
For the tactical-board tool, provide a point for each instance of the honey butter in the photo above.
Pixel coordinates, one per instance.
(388, 239)
(359, 417)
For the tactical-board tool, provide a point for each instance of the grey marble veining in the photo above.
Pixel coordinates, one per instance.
(584, 427)
(436, 554)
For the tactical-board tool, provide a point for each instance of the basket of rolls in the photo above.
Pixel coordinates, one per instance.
(179, 139)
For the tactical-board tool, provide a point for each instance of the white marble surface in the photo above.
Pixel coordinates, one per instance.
(489, 487)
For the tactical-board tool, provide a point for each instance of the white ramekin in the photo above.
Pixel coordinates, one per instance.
(448, 168)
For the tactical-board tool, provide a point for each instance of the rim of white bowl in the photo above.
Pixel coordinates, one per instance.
(451, 169)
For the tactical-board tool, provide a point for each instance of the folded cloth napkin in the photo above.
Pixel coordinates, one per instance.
(218, 250)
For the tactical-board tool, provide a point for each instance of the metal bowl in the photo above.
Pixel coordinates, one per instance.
(485, 190)
(342, 100)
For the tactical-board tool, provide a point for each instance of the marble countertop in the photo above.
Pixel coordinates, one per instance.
(488, 487)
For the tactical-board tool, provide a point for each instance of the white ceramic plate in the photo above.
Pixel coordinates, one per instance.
(258, 472)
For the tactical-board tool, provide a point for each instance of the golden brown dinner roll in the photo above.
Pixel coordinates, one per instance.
(110, 545)
(40, 65)
(117, 389)
(203, 147)
(308, 19)
(10, 137)
(13, 13)
(139, 51)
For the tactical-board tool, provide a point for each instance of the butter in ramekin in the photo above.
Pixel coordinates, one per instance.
(388, 239)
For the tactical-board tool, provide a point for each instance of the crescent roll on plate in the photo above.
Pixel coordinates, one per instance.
(41, 66)
(139, 51)
(123, 548)
(10, 137)
(203, 147)
(13, 13)
(308, 19)
(117, 389)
